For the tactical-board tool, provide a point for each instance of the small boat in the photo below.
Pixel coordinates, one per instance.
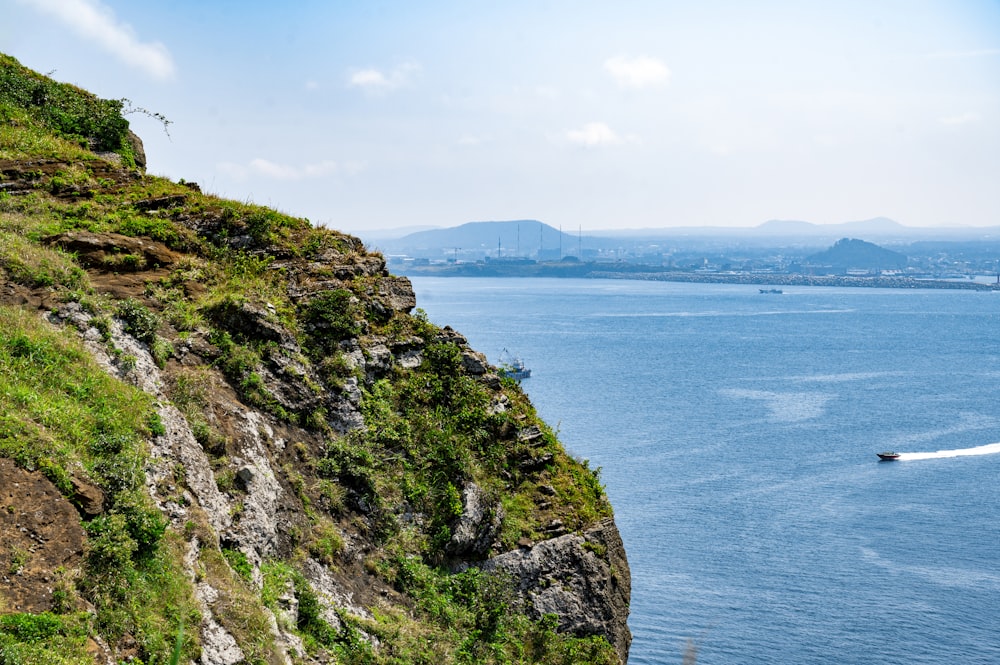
(513, 367)
(888, 456)
(776, 291)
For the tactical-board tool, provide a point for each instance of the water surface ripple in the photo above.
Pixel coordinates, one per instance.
(737, 432)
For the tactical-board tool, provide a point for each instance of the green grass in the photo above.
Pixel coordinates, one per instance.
(61, 413)
(44, 639)
(21, 141)
(26, 262)
(59, 410)
(62, 109)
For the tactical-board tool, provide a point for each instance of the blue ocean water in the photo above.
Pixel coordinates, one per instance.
(737, 432)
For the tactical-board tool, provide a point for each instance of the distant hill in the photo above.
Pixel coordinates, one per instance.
(506, 239)
(783, 230)
(531, 238)
(849, 253)
(878, 226)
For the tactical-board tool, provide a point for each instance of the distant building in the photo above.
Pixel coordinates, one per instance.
(511, 260)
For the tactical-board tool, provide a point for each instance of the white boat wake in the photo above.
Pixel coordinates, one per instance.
(989, 449)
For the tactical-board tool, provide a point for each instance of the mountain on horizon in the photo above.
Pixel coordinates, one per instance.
(785, 228)
(531, 238)
(876, 225)
(503, 239)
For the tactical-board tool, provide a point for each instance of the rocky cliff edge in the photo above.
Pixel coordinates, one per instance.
(311, 472)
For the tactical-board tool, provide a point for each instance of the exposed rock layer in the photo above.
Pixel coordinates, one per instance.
(39, 533)
(583, 579)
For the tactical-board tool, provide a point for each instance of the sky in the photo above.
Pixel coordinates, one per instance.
(587, 114)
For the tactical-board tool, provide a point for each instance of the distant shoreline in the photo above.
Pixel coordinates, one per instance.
(874, 282)
(590, 271)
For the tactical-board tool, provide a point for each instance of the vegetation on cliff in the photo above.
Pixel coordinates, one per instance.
(271, 458)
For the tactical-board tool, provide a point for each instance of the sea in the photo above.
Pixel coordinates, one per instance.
(736, 434)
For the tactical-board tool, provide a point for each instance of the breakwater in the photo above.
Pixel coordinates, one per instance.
(874, 282)
(639, 272)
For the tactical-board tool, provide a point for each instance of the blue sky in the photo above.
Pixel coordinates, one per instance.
(598, 115)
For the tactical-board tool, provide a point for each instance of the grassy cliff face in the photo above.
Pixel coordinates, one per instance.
(259, 438)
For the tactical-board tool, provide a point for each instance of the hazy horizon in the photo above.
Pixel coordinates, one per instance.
(877, 222)
(633, 115)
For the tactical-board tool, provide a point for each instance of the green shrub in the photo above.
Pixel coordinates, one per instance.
(38, 627)
(19, 558)
(225, 480)
(155, 424)
(161, 350)
(57, 473)
(139, 321)
(110, 547)
(65, 109)
(310, 617)
(352, 465)
(44, 639)
(143, 521)
(235, 360)
(72, 179)
(330, 317)
(326, 543)
(262, 223)
(239, 563)
(334, 368)
(121, 472)
(157, 228)
(277, 577)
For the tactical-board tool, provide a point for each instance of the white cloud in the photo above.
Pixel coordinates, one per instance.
(594, 134)
(639, 72)
(319, 169)
(376, 81)
(275, 171)
(96, 22)
(369, 78)
(547, 92)
(312, 85)
(960, 119)
(471, 140)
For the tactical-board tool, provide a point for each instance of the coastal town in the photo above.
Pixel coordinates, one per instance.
(894, 262)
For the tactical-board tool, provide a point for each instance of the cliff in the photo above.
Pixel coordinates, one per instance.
(227, 436)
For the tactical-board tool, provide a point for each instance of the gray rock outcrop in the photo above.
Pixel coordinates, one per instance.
(583, 579)
(477, 528)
